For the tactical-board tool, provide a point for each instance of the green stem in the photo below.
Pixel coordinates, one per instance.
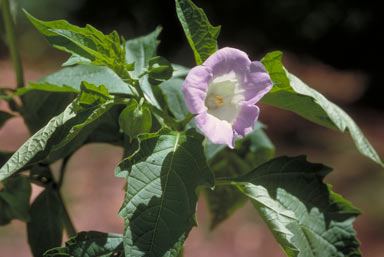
(187, 119)
(223, 182)
(11, 40)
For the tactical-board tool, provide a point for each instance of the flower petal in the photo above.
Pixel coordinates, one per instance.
(195, 88)
(228, 59)
(257, 83)
(246, 119)
(217, 131)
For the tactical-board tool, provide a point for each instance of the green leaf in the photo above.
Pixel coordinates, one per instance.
(45, 230)
(4, 116)
(14, 199)
(160, 70)
(35, 109)
(37, 143)
(249, 153)
(97, 75)
(292, 94)
(304, 215)
(141, 49)
(84, 43)
(92, 95)
(174, 97)
(90, 244)
(201, 35)
(45, 87)
(162, 182)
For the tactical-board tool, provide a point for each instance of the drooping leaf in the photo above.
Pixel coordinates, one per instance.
(14, 199)
(201, 35)
(249, 153)
(160, 202)
(141, 49)
(37, 143)
(51, 140)
(303, 214)
(86, 43)
(45, 230)
(4, 116)
(97, 75)
(91, 244)
(290, 93)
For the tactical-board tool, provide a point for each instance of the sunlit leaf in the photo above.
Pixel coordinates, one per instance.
(249, 153)
(90, 244)
(162, 182)
(201, 35)
(303, 214)
(290, 93)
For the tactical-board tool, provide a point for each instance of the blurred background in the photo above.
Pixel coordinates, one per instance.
(333, 46)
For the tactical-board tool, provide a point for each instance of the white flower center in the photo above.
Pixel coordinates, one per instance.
(224, 97)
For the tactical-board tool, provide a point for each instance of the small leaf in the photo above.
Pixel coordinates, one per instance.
(4, 116)
(45, 230)
(162, 182)
(292, 94)
(92, 95)
(303, 214)
(160, 70)
(90, 244)
(201, 35)
(14, 199)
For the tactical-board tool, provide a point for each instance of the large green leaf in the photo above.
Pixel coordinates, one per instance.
(249, 153)
(45, 230)
(162, 182)
(304, 215)
(91, 244)
(87, 45)
(37, 143)
(98, 75)
(201, 35)
(174, 97)
(290, 93)
(141, 49)
(14, 200)
(53, 140)
(35, 110)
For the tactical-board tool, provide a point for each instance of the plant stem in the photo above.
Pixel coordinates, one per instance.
(184, 122)
(11, 40)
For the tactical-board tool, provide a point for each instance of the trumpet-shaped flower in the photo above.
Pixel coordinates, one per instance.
(223, 91)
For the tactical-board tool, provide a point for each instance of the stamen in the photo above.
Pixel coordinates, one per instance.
(219, 100)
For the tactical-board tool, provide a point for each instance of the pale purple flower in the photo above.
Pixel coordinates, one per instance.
(223, 92)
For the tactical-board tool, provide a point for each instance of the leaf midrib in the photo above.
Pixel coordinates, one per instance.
(163, 196)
